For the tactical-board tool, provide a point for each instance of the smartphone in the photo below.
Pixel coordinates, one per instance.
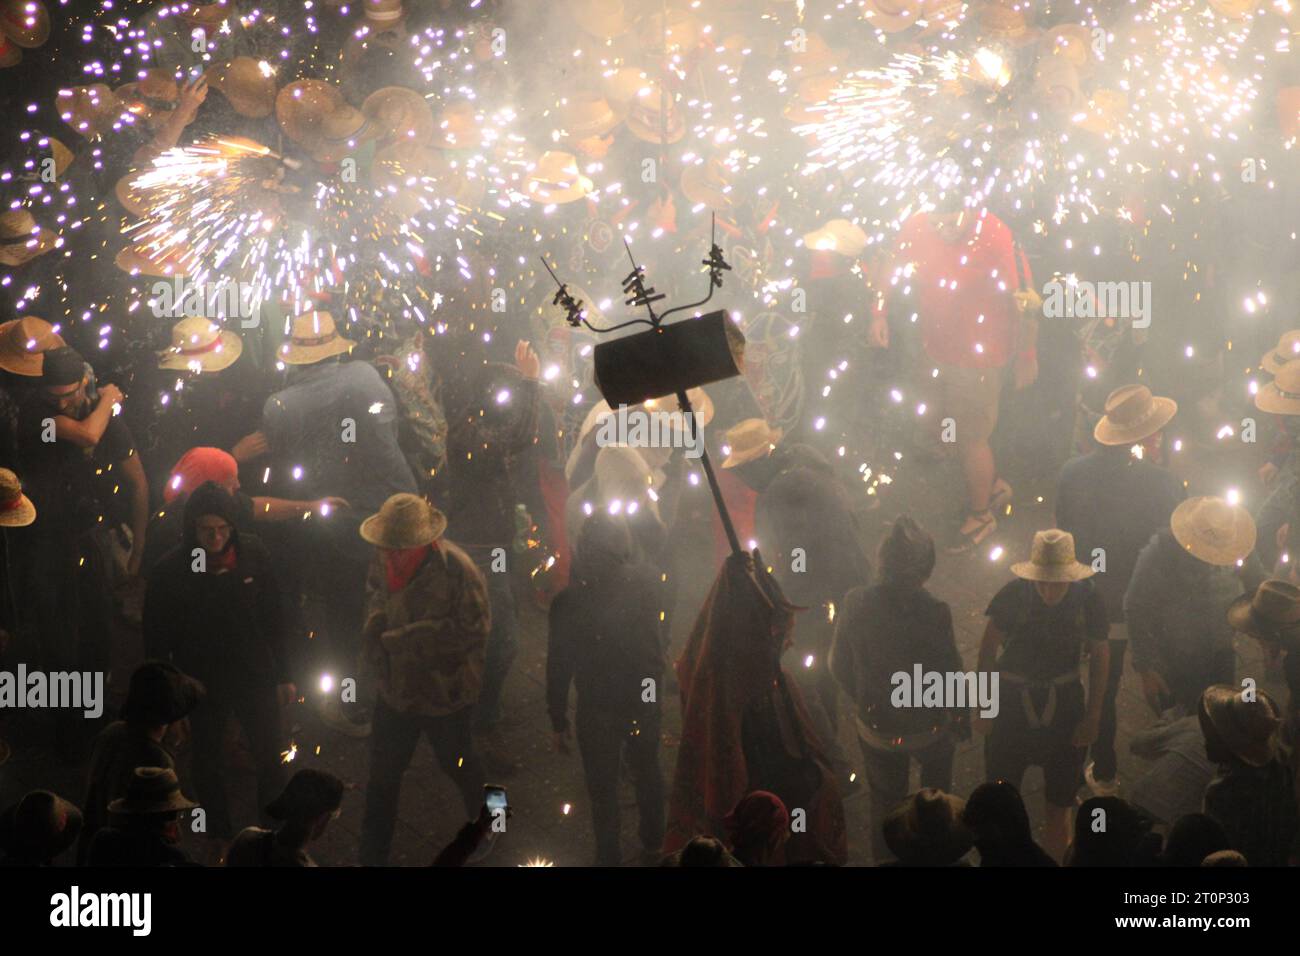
(494, 798)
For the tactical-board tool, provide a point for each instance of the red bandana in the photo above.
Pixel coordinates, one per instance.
(401, 564)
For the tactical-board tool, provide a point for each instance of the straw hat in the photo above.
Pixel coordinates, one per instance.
(16, 509)
(1272, 613)
(90, 110)
(647, 121)
(21, 239)
(131, 198)
(153, 97)
(143, 259)
(314, 339)
(301, 108)
(62, 156)
(893, 16)
(1233, 9)
(838, 235)
(384, 13)
(25, 22)
(399, 114)
(748, 440)
(1132, 414)
(1282, 395)
(1287, 350)
(1103, 111)
(249, 85)
(586, 113)
(404, 521)
(11, 54)
(1213, 530)
(1071, 41)
(600, 18)
(210, 16)
(1057, 82)
(23, 344)
(457, 127)
(200, 345)
(625, 84)
(1249, 728)
(1051, 559)
(342, 130)
(937, 14)
(678, 32)
(708, 183)
(815, 58)
(926, 829)
(152, 790)
(557, 179)
(1005, 24)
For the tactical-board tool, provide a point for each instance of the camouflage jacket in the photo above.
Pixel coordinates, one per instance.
(426, 644)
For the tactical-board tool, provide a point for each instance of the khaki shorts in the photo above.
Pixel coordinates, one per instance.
(969, 396)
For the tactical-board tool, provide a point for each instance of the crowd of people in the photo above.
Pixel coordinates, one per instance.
(353, 523)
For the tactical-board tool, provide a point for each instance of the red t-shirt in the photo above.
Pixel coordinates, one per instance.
(963, 289)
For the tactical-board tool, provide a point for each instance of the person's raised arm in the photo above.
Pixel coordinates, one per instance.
(87, 432)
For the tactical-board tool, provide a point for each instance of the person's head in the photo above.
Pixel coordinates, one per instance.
(604, 545)
(160, 694)
(1229, 858)
(39, 827)
(1239, 727)
(906, 555)
(1051, 566)
(64, 381)
(210, 515)
(996, 815)
(703, 851)
(1109, 831)
(153, 802)
(1192, 838)
(310, 800)
(200, 465)
(758, 827)
(951, 217)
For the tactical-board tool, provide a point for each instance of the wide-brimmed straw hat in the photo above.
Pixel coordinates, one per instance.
(457, 127)
(208, 15)
(556, 179)
(839, 236)
(1132, 414)
(200, 345)
(249, 85)
(586, 113)
(1282, 395)
(25, 22)
(313, 339)
(677, 32)
(1271, 614)
(399, 114)
(893, 16)
(130, 197)
(1005, 25)
(748, 440)
(23, 344)
(1249, 728)
(1234, 9)
(1051, 559)
(926, 829)
(90, 110)
(383, 12)
(1286, 351)
(152, 790)
(404, 521)
(937, 14)
(410, 173)
(301, 108)
(143, 259)
(39, 827)
(648, 122)
(708, 183)
(341, 132)
(16, 509)
(1214, 531)
(152, 97)
(22, 239)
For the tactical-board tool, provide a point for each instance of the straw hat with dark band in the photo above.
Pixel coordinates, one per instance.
(1051, 559)
(1271, 614)
(1132, 414)
(1282, 395)
(314, 339)
(21, 239)
(1249, 728)
(748, 440)
(1287, 350)
(16, 509)
(1213, 530)
(249, 88)
(399, 114)
(202, 345)
(404, 521)
(23, 344)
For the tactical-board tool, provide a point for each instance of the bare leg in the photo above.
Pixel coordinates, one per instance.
(979, 471)
(1056, 829)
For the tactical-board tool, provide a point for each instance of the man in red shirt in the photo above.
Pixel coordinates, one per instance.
(973, 325)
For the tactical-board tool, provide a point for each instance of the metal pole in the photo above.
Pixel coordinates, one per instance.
(684, 403)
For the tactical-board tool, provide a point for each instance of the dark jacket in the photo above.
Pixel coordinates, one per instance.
(880, 631)
(119, 749)
(1257, 808)
(225, 629)
(604, 636)
(135, 845)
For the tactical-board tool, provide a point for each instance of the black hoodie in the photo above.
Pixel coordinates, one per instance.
(226, 629)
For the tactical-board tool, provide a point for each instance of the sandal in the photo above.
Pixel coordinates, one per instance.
(1000, 496)
(970, 540)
